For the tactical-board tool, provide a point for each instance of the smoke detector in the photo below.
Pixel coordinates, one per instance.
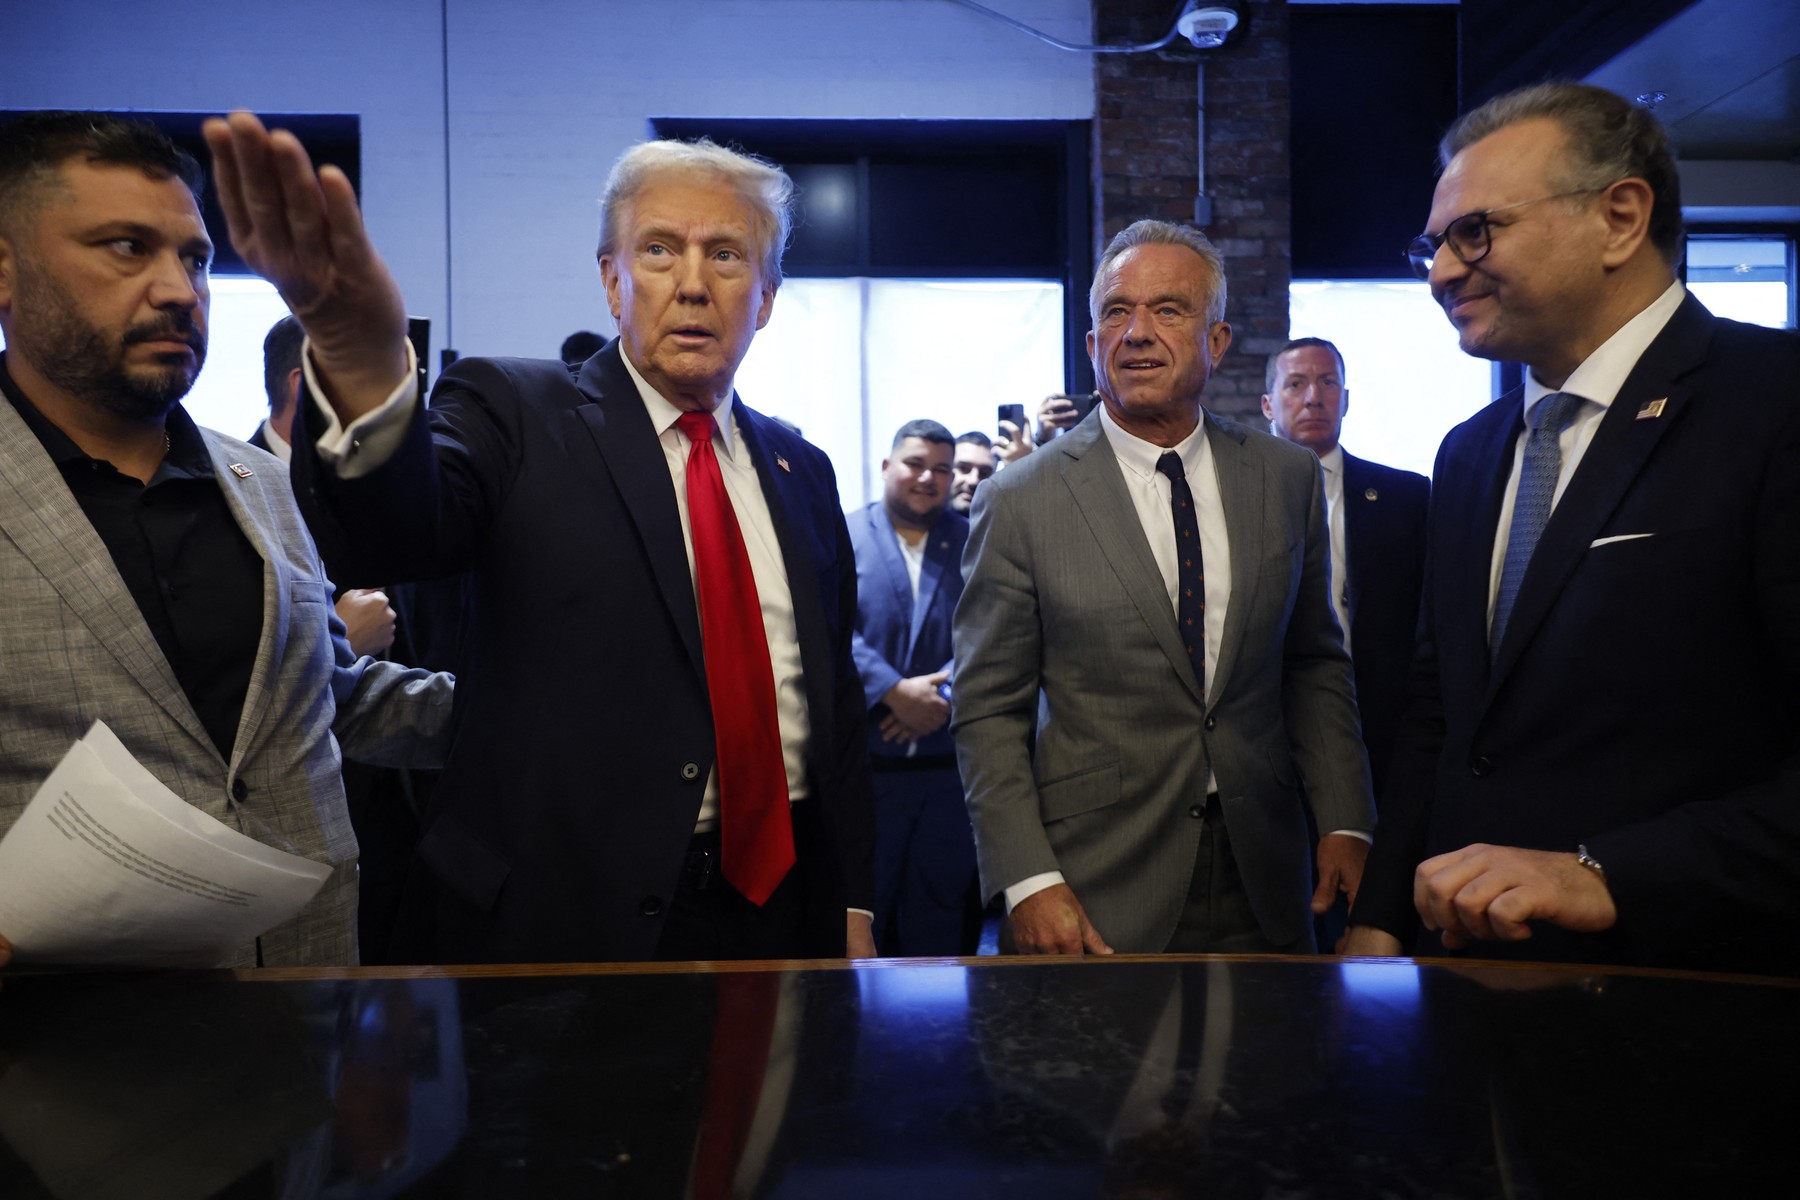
(1206, 25)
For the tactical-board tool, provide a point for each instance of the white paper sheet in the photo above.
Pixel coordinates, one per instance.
(108, 867)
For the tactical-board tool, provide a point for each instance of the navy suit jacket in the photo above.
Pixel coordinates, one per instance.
(584, 736)
(1644, 700)
(896, 639)
(1384, 540)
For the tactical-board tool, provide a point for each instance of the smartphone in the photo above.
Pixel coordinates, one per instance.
(1084, 403)
(1016, 414)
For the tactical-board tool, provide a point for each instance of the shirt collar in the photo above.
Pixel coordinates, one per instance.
(1599, 378)
(1140, 457)
(663, 415)
(278, 445)
(1332, 462)
(188, 456)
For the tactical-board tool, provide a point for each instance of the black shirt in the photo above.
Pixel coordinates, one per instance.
(196, 578)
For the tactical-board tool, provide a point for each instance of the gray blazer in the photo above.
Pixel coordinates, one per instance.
(74, 648)
(1065, 634)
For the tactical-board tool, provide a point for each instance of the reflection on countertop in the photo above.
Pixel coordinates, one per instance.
(1142, 1078)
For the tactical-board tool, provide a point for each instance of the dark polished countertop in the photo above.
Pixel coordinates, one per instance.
(1141, 1078)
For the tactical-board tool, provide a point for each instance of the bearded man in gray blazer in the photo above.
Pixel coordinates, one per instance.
(153, 574)
(1140, 726)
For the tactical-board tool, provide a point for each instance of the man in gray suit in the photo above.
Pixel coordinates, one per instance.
(1185, 706)
(156, 575)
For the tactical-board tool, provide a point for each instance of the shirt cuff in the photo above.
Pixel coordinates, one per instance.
(865, 912)
(353, 451)
(1031, 885)
(1364, 834)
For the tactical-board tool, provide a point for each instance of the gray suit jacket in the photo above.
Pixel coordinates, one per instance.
(1065, 633)
(74, 648)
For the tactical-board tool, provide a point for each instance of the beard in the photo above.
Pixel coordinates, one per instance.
(89, 363)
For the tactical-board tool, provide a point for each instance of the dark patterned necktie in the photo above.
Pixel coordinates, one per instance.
(1190, 572)
(1531, 506)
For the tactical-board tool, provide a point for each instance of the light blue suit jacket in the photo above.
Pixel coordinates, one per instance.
(895, 638)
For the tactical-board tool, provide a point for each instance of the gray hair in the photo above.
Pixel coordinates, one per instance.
(1609, 139)
(764, 186)
(1163, 233)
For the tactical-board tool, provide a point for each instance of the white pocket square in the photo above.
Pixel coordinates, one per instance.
(1618, 537)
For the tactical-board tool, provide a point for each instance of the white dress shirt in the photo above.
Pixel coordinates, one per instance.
(1597, 381)
(1332, 464)
(373, 438)
(278, 445)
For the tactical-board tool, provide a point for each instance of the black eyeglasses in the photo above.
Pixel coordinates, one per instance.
(1470, 236)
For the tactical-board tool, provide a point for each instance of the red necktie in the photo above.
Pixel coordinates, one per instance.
(743, 1032)
(754, 824)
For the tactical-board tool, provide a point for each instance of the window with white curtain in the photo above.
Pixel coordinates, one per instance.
(228, 396)
(851, 360)
(1745, 278)
(847, 360)
(1409, 380)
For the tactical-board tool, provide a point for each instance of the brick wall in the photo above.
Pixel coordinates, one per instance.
(1145, 163)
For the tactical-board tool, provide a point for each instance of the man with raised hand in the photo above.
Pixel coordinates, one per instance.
(660, 751)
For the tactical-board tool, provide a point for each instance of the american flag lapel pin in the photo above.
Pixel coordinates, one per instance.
(1652, 409)
(240, 470)
(783, 464)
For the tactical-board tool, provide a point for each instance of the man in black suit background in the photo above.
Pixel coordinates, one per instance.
(662, 579)
(1376, 516)
(1601, 751)
(368, 616)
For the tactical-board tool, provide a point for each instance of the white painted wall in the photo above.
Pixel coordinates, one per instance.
(382, 61)
(542, 95)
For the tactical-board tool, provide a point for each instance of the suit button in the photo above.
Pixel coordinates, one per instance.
(1211, 722)
(1481, 766)
(239, 790)
(690, 771)
(1196, 811)
(650, 906)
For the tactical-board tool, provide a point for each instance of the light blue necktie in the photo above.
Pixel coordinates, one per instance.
(1531, 507)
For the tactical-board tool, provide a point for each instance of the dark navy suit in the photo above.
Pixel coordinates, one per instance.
(1646, 698)
(924, 850)
(584, 735)
(1384, 541)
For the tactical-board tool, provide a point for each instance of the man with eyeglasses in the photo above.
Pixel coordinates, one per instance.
(1147, 669)
(1601, 759)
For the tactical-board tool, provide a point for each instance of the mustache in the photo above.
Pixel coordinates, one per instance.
(173, 326)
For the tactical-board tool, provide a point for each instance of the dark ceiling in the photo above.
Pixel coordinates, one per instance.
(1729, 71)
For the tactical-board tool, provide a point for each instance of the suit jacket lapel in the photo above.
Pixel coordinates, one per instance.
(43, 519)
(1618, 452)
(1241, 496)
(248, 500)
(1471, 484)
(621, 431)
(899, 583)
(787, 494)
(1093, 476)
(939, 558)
(1359, 533)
